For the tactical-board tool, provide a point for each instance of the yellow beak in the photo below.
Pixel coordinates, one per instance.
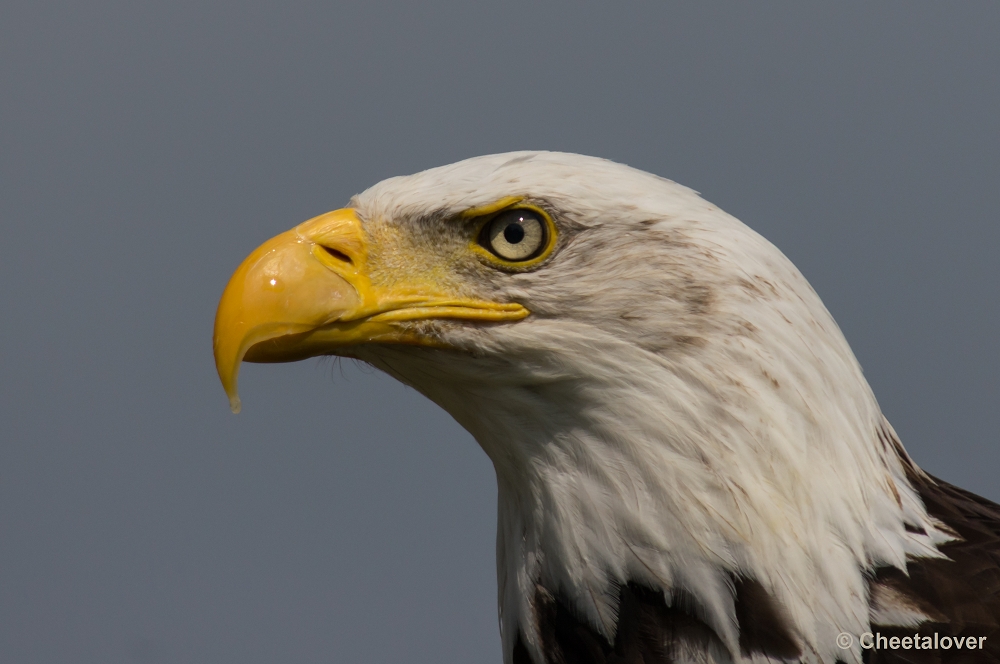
(308, 292)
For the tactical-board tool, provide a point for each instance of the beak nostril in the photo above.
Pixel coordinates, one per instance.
(339, 255)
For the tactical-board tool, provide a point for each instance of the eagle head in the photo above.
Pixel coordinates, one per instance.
(677, 423)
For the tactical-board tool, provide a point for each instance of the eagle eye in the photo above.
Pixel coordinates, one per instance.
(515, 235)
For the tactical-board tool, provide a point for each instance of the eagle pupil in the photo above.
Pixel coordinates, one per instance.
(514, 233)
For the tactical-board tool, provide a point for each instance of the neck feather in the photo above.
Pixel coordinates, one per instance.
(616, 464)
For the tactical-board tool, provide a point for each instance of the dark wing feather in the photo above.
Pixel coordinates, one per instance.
(650, 632)
(961, 595)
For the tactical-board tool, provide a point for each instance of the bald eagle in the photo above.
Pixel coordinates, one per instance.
(691, 466)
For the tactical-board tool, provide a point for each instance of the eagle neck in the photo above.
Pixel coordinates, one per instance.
(663, 478)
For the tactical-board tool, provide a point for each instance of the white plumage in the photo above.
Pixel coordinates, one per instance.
(679, 412)
(681, 406)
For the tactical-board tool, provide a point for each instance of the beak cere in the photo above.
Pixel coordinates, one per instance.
(308, 292)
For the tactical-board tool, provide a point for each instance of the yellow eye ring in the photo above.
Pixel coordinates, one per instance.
(515, 237)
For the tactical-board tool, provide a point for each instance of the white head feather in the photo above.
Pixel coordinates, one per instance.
(680, 407)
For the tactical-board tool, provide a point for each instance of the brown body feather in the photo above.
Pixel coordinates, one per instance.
(961, 594)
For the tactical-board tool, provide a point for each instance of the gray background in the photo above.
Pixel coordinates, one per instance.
(147, 148)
